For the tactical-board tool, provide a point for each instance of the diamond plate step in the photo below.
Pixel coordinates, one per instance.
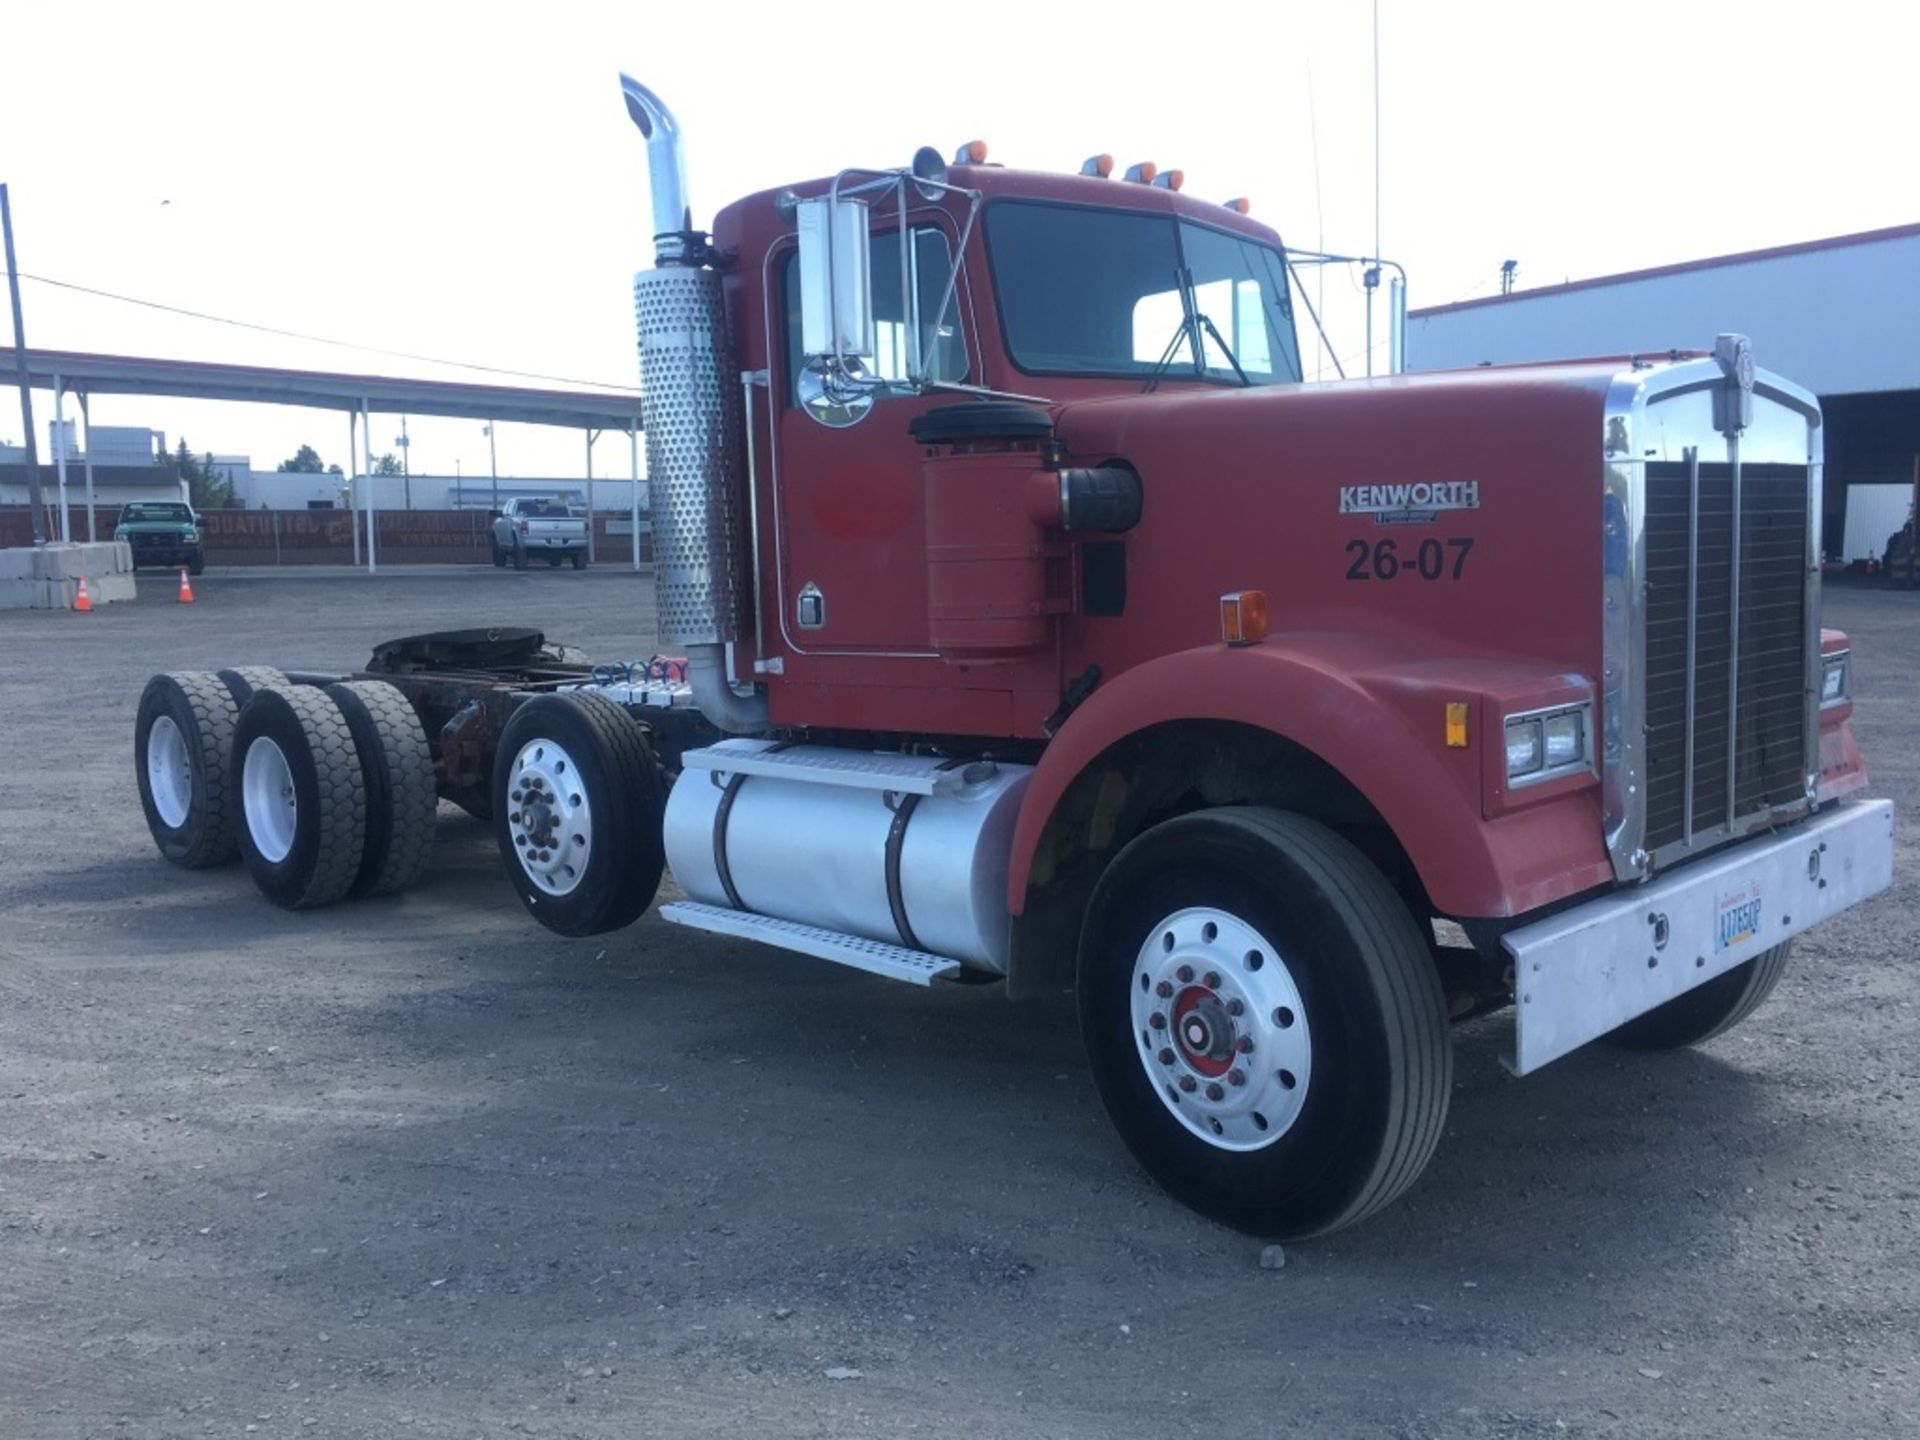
(824, 765)
(876, 957)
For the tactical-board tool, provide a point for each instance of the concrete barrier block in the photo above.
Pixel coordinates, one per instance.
(105, 589)
(16, 562)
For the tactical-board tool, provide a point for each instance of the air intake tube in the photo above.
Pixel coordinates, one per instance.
(691, 410)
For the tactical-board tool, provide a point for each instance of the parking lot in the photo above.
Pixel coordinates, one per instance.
(417, 1167)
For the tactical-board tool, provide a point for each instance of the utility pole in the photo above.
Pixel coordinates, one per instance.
(36, 501)
(1507, 272)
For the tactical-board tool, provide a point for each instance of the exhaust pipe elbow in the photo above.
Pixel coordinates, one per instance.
(666, 171)
(714, 695)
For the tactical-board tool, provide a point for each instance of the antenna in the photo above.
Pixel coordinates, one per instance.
(1373, 282)
(1320, 217)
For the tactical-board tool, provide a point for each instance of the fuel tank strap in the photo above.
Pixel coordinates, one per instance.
(720, 817)
(896, 840)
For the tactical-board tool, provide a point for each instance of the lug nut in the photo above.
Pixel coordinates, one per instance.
(1245, 1045)
(1212, 982)
(1165, 1057)
(1163, 990)
(1157, 1020)
(1185, 974)
(1187, 1083)
(520, 839)
(1214, 1092)
(1235, 1007)
(1236, 1077)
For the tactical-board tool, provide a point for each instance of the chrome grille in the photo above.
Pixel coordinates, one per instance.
(1750, 655)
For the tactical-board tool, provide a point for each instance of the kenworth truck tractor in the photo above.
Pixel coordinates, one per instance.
(1030, 621)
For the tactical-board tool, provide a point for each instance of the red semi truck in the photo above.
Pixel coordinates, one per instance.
(1034, 622)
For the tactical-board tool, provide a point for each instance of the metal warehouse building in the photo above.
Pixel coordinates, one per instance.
(1840, 317)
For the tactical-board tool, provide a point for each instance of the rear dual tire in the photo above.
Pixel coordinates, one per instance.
(303, 805)
(396, 770)
(182, 751)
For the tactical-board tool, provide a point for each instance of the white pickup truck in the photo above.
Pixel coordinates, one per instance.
(551, 529)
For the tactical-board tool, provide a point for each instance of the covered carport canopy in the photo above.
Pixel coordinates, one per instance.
(358, 395)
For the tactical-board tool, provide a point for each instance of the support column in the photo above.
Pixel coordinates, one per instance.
(590, 554)
(60, 454)
(366, 442)
(353, 484)
(86, 436)
(633, 441)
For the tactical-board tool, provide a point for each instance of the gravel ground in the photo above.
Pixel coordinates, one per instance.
(416, 1167)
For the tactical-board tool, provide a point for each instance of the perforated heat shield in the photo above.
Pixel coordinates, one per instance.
(692, 412)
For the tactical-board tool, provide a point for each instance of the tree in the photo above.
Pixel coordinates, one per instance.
(207, 488)
(387, 464)
(305, 461)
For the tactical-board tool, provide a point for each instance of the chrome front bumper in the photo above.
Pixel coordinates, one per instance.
(1589, 970)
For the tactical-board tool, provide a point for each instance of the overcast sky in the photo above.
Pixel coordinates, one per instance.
(461, 180)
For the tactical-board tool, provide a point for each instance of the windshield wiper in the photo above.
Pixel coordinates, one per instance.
(1166, 357)
(1225, 349)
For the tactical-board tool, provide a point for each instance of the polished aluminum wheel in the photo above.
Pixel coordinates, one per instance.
(551, 820)
(169, 772)
(266, 793)
(1220, 1028)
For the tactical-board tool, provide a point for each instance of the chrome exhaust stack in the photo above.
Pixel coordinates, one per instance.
(691, 410)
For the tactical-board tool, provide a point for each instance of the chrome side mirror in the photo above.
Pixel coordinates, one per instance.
(836, 281)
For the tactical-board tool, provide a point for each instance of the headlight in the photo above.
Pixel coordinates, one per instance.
(1835, 678)
(1546, 744)
(1523, 748)
(193, 537)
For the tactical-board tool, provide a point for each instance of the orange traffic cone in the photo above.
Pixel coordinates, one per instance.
(82, 601)
(186, 587)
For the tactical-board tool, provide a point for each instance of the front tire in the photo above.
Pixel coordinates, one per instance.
(303, 814)
(519, 557)
(1706, 1010)
(499, 555)
(182, 748)
(1264, 1021)
(577, 805)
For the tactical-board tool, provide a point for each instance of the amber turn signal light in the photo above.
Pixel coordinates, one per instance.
(1243, 617)
(1456, 724)
(974, 152)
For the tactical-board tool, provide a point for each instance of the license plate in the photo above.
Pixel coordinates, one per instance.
(1736, 916)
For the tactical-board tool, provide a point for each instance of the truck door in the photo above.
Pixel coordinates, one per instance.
(849, 543)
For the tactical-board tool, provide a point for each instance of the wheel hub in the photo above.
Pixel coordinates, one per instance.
(1221, 1028)
(550, 818)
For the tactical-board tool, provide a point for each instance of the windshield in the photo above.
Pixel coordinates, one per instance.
(157, 510)
(1099, 292)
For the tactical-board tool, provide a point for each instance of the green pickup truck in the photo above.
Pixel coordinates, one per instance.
(162, 532)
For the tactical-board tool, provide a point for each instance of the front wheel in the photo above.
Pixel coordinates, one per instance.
(578, 803)
(1706, 1010)
(1264, 1021)
(196, 563)
(499, 555)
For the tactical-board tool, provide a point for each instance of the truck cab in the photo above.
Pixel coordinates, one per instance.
(1030, 622)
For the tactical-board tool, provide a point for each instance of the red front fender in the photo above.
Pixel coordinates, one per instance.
(1376, 714)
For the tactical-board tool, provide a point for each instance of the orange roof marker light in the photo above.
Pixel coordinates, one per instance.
(974, 152)
(1240, 205)
(1456, 724)
(1243, 617)
(1100, 165)
(1143, 173)
(1170, 179)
